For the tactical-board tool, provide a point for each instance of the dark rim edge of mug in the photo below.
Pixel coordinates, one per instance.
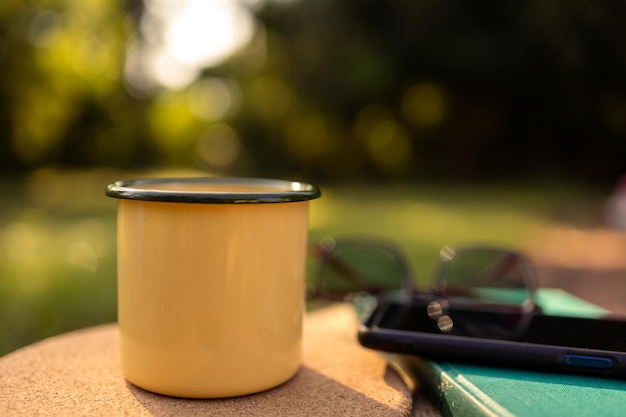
(124, 189)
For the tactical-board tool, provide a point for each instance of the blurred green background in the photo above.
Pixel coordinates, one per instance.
(431, 122)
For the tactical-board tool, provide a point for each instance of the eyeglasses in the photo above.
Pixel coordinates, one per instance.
(471, 280)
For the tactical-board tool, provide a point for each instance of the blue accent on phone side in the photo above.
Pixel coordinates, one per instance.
(590, 362)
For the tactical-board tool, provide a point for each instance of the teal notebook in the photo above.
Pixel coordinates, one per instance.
(468, 390)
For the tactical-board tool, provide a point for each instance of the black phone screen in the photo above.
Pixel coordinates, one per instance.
(588, 333)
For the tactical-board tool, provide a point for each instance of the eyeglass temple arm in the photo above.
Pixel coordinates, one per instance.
(350, 274)
(492, 275)
(497, 271)
(355, 277)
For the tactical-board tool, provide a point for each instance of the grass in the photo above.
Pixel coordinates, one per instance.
(424, 218)
(57, 236)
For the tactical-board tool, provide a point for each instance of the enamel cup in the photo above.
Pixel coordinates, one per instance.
(211, 276)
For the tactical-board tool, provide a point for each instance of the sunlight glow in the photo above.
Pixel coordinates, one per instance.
(204, 32)
(181, 37)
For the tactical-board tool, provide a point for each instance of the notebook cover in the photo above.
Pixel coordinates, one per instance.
(469, 390)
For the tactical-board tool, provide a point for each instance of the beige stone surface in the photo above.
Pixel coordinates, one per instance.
(78, 374)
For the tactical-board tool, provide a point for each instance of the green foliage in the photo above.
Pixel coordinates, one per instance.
(460, 90)
(57, 256)
(324, 90)
(62, 76)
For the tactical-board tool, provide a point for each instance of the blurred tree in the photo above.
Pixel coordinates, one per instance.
(461, 89)
(349, 89)
(62, 95)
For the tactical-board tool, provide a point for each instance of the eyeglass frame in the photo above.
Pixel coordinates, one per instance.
(324, 249)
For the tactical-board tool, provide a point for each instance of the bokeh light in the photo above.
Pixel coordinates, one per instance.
(425, 105)
(219, 146)
(386, 140)
(211, 99)
(180, 38)
(310, 136)
(271, 98)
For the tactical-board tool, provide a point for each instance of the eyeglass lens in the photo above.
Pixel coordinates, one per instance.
(488, 276)
(352, 268)
(471, 284)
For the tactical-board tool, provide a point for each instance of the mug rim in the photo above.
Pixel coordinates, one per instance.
(285, 191)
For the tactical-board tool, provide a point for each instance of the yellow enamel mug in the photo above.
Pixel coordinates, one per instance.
(211, 276)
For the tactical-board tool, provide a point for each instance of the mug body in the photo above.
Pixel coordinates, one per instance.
(211, 284)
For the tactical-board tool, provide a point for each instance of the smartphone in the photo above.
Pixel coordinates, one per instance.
(552, 343)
